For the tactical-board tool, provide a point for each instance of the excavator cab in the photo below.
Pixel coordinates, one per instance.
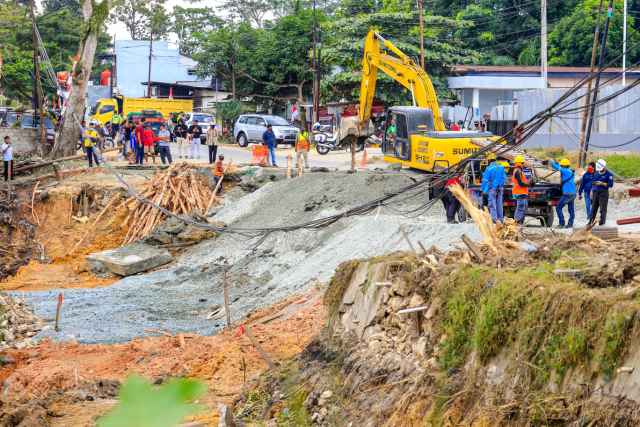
(401, 123)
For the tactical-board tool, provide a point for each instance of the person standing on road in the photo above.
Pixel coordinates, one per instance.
(586, 186)
(180, 131)
(302, 149)
(212, 142)
(195, 133)
(601, 183)
(485, 184)
(568, 198)
(520, 190)
(164, 141)
(269, 139)
(495, 200)
(116, 122)
(7, 158)
(90, 139)
(148, 140)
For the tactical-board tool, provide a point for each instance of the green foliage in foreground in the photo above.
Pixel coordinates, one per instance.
(625, 165)
(143, 405)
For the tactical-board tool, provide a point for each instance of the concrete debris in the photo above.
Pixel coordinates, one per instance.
(17, 325)
(128, 260)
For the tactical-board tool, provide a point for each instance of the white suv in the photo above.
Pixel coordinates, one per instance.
(250, 127)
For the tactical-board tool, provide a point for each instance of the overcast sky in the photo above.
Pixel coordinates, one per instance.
(121, 32)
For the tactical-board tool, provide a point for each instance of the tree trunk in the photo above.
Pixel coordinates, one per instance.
(69, 133)
(233, 82)
(301, 110)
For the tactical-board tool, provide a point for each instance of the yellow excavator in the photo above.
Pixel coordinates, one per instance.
(414, 136)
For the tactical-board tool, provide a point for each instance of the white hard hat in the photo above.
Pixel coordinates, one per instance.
(601, 165)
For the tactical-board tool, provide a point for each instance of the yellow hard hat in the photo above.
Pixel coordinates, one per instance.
(565, 162)
(519, 159)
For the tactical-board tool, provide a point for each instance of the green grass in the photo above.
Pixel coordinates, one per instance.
(553, 325)
(625, 165)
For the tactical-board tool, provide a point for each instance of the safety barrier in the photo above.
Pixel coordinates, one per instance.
(259, 154)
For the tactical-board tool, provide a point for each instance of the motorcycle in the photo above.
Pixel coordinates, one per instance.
(326, 140)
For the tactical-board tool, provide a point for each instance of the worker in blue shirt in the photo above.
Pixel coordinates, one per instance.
(568, 198)
(486, 179)
(601, 183)
(585, 187)
(269, 139)
(497, 179)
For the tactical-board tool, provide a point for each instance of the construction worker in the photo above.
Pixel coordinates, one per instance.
(451, 203)
(568, 198)
(213, 134)
(496, 180)
(218, 172)
(585, 187)
(116, 122)
(302, 149)
(486, 179)
(602, 182)
(89, 141)
(520, 189)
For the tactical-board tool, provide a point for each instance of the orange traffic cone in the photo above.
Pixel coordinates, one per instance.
(363, 161)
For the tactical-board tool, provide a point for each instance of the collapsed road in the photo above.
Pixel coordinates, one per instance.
(187, 295)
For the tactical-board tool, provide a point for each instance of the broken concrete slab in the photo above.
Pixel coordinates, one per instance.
(128, 260)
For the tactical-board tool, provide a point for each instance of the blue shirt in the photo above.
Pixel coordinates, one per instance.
(494, 177)
(486, 178)
(605, 178)
(567, 176)
(269, 138)
(586, 183)
(498, 178)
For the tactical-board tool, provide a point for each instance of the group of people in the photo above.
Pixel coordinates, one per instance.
(594, 185)
(302, 147)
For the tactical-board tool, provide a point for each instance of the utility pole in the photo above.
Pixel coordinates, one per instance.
(38, 94)
(421, 17)
(150, 59)
(544, 71)
(624, 45)
(603, 53)
(587, 99)
(316, 68)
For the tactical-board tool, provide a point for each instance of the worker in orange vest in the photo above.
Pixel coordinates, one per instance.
(520, 189)
(302, 148)
(218, 171)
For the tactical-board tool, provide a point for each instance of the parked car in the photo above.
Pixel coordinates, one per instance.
(204, 120)
(28, 122)
(250, 127)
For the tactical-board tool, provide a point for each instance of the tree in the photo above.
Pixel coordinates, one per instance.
(343, 51)
(571, 40)
(251, 12)
(94, 15)
(56, 5)
(191, 21)
(141, 17)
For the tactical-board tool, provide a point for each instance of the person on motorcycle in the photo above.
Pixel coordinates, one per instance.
(302, 149)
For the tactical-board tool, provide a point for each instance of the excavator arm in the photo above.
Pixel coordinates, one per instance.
(382, 55)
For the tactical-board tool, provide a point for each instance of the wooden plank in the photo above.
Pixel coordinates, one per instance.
(258, 347)
(414, 309)
(472, 247)
(627, 221)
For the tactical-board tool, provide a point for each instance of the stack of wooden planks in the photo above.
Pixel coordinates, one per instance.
(179, 189)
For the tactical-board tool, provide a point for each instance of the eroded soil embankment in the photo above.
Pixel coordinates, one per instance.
(522, 344)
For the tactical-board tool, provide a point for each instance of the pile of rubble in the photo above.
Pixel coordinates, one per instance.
(17, 323)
